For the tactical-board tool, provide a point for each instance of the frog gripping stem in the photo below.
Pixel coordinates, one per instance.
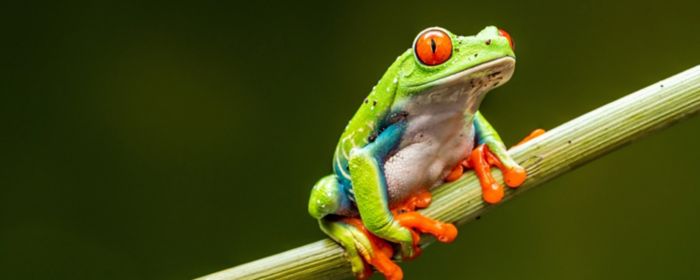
(492, 191)
(379, 257)
(407, 216)
(382, 251)
(481, 159)
(572, 144)
(444, 232)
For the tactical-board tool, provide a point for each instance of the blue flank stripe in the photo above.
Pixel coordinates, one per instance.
(380, 148)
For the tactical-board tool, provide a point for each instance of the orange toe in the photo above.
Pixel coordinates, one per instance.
(417, 201)
(455, 174)
(383, 263)
(380, 259)
(449, 233)
(532, 135)
(493, 193)
(444, 232)
(423, 199)
(514, 177)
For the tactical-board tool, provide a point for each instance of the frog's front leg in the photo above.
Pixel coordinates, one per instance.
(370, 189)
(329, 203)
(492, 151)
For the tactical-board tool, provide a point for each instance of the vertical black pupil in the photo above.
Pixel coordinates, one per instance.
(432, 45)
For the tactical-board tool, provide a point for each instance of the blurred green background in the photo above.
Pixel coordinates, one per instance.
(167, 141)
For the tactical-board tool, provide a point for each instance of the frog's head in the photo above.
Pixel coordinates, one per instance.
(445, 66)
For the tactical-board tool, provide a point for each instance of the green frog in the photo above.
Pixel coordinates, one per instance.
(418, 128)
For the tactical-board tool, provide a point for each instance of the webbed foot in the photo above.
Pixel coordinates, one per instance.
(378, 255)
(365, 250)
(481, 159)
(407, 216)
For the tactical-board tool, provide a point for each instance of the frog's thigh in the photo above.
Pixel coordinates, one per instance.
(328, 197)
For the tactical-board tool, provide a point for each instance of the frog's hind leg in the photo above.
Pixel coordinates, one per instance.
(329, 204)
(328, 197)
(362, 247)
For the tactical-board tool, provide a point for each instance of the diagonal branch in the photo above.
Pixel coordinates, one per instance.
(556, 152)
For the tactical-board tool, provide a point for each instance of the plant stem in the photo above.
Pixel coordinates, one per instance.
(557, 151)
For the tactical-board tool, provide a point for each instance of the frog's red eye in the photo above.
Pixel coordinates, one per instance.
(510, 40)
(433, 47)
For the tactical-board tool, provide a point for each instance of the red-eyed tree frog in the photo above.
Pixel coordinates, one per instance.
(419, 127)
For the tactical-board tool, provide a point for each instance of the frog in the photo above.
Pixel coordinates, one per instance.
(419, 127)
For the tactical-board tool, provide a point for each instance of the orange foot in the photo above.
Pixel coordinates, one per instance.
(380, 257)
(532, 135)
(405, 214)
(481, 159)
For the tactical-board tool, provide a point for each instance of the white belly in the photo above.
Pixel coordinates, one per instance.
(434, 142)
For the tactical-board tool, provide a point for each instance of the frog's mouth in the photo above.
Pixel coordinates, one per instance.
(491, 73)
(469, 85)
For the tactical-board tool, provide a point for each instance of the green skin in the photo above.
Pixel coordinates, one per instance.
(387, 124)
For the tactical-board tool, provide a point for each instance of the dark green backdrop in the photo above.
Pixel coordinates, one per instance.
(167, 141)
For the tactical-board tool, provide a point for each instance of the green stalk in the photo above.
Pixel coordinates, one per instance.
(554, 153)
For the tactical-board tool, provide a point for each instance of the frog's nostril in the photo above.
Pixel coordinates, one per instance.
(510, 40)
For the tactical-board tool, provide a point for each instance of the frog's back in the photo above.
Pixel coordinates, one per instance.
(368, 120)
